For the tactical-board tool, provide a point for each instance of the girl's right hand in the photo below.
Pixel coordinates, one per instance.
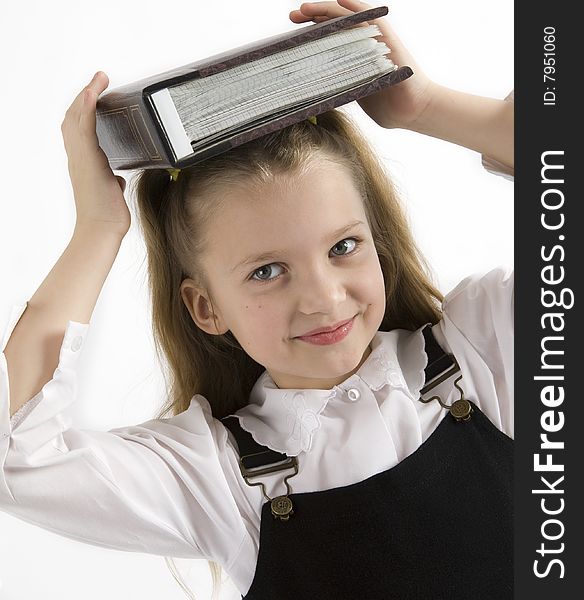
(392, 107)
(99, 194)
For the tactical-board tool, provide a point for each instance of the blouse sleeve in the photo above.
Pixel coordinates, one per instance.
(494, 166)
(158, 487)
(478, 322)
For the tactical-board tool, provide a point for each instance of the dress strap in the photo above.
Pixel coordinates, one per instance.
(255, 459)
(441, 365)
(252, 455)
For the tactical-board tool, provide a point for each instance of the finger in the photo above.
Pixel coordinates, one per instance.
(89, 97)
(93, 89)
(319, 19)
(321, 11)
(348, 5)
(356, 3)
(325, 9)
(297, 17)
(98, 83)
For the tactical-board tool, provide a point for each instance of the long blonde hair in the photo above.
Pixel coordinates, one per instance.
(173, 216)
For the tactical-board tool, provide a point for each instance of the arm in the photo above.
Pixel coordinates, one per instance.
(71, 289)
(481, 124)
(160, 487)
(69, 292)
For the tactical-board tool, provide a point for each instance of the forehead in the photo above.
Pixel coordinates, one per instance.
(277, 216)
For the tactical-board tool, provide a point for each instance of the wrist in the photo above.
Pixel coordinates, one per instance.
(425, 120)
(94, 232)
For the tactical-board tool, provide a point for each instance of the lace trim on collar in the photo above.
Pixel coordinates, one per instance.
(286, 420)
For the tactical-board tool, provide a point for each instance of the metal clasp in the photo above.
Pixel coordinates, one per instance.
(290, 462)
(455, 368)
(460, 409)
(281, 506)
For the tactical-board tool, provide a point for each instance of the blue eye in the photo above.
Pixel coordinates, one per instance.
(351, 243)
(343, 243)
(264, 268)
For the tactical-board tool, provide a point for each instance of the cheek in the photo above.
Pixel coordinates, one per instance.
(373, 290)
(372, 281)
(260, 315)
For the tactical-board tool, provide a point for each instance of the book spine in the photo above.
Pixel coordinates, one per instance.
(130, 133)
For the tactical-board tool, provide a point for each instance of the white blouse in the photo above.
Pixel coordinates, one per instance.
(172, 487)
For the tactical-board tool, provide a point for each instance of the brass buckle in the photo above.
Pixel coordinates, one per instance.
(290, 462)
(438, 380)
(281, 506)
(460, 409)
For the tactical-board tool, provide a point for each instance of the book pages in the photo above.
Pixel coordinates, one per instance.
(220, 103)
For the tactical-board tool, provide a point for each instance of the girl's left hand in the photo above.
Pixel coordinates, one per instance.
(395, 106)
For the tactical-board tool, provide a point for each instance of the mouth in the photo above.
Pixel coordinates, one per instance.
(330, 335)
(326, 329)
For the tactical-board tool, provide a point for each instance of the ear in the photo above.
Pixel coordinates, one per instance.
(203, 312)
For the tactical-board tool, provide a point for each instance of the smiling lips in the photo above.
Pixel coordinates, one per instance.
(328, 335)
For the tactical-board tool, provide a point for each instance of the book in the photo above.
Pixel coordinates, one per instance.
(188, 114)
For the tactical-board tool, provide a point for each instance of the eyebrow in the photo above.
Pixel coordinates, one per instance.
(265, 256)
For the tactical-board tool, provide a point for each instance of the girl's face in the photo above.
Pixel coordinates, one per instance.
(295, 256)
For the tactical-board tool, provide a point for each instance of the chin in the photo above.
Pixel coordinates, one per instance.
(346, 364)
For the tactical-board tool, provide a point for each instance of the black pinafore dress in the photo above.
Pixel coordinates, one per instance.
(436, 526)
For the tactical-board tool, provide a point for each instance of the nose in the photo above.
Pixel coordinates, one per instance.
(321, 289)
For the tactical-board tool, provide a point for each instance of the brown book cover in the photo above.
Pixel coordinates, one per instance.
(132, 135)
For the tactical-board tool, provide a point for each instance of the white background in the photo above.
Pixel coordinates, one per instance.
(462, 216)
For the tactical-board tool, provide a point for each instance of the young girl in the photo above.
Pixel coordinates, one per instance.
(304, 452)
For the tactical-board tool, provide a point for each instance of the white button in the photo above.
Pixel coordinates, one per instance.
(354, 394)
(76, 343)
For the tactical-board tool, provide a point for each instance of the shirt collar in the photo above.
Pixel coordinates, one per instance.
(286, 420)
